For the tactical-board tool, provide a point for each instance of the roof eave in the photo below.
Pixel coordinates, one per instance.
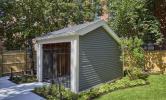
(91, 27)
(112, 33)
(55, 36)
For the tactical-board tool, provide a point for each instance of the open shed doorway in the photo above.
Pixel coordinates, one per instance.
(56, 63)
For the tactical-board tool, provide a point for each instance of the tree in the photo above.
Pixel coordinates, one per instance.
(23, 20)
(134, 18)
(31, 18)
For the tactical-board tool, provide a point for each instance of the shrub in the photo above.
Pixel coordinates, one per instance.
(52, 92)
(133, 56)
(23, 79)
(143, 76)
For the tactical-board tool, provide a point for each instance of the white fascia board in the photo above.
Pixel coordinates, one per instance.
(91, 27)
(112, 33)
(57, 39)
(53, 36)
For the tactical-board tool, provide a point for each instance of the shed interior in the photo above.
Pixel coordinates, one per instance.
(56, 63)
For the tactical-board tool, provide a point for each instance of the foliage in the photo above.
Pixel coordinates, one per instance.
(31, 18)
(51, 92)
(134, 18)
(108, 87)
(133, 56)
(23, 79)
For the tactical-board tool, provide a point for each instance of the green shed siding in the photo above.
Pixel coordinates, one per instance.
(99, 59)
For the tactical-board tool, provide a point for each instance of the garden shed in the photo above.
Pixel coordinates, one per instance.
(80, 56)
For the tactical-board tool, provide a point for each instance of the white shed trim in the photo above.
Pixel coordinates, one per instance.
(74, 40)
(39, 62)
(75, 65)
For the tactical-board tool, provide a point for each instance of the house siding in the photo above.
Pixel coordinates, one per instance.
(99, 59)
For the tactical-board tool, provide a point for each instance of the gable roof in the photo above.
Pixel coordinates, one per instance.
(80, 29)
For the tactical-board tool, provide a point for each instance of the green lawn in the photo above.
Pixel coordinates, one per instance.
(156, 90)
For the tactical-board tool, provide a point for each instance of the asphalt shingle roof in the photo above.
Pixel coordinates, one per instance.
(71, 29)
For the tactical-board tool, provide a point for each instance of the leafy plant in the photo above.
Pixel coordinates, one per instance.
(24, 79)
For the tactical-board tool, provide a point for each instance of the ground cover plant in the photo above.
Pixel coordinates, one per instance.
(52, 92)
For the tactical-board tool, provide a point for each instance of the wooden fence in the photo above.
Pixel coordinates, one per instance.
(18, 60)
(155, 61)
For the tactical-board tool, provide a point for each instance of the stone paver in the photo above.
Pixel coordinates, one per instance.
(12, 91)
